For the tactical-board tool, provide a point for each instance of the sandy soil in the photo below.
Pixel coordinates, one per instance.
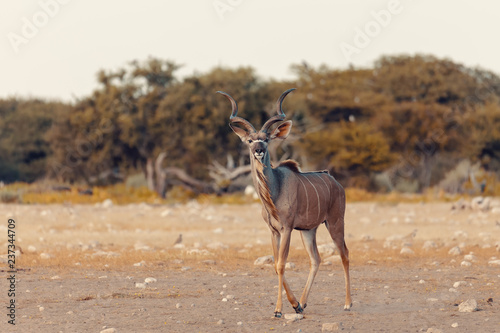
(81, 264)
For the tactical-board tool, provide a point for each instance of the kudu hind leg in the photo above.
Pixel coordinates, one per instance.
(336, 231)
(309, 241)
(289, 294)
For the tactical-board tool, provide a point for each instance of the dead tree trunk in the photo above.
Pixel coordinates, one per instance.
(166, 175)
(224, 177)
(161, 177)
(150, 174)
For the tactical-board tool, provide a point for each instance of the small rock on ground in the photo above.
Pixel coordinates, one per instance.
(465, 263)
(332, 259)
(326, 249)
(330, 327)
(434, 330)
(109, 330)
(470, 257)
(494, 262)
(428, 245)
(455, 251)
(264, 260)
(293, 316)
(469, 305)
(406, 250)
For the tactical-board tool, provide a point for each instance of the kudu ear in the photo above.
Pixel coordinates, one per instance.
(242, 133)
(282, 131)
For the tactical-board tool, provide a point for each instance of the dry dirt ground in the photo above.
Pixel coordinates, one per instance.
(83, 267)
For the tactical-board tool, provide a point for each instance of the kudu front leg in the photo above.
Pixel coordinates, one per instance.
(276, 241)
(284, 247)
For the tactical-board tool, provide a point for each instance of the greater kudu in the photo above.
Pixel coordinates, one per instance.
(293, 200)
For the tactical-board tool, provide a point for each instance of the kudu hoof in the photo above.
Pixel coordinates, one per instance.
(299, 308)
(347, 307)
(277, 314)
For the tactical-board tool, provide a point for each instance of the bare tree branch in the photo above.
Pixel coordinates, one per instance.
(195, 184)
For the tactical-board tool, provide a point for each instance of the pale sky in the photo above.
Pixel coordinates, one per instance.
(54, 48)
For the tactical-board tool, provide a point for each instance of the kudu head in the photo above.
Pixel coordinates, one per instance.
(257, 142)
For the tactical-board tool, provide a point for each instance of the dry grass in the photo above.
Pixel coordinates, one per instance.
(431, 195)
(48, 193)
(119, 194)
(45, 193)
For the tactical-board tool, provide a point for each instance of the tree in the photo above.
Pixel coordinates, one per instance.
(409, 116)
(417, 132)
(353, 151)
(482, 127)
(24, 148)
(335, 95)
(115, 129)
(427, 79)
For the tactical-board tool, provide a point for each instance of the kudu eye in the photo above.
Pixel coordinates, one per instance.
(250, 141)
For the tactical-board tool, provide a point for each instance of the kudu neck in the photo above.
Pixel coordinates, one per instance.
(263, 167)
(264, 183)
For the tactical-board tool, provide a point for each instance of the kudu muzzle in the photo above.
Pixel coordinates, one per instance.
(259, 150)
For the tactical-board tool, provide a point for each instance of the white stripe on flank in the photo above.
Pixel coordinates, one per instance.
(307, 198)
(317, 195)
(317, 174)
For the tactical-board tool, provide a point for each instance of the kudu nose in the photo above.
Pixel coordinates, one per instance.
(259, 151)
